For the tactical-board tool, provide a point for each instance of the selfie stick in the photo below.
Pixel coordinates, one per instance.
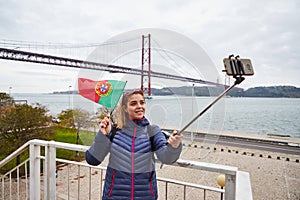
(238, 80)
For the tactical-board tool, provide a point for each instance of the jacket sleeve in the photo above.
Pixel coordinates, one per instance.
(98, 150)
(164, 151)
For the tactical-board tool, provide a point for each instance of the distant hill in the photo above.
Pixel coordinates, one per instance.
(273, 91)
(187, 91)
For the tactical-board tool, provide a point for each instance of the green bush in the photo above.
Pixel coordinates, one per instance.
(61, 134)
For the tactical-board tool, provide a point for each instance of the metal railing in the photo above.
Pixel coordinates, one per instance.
(42, 180)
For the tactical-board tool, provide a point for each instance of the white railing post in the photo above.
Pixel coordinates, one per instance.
(230, 187)
(230, 174)
(50, 172)
(34, 151)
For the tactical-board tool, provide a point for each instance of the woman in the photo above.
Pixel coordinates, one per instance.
(131, 169)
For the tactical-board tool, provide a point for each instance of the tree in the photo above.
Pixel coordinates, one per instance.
(20, 123)
(77, 119)
(66, 118)
(74, 118)
(5, 100)
(23, 122)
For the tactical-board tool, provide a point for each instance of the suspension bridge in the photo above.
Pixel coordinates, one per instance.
(11, 51)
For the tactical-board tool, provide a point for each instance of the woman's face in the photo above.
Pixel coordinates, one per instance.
(136, 106)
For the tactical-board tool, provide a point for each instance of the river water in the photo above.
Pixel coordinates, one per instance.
(260, 116)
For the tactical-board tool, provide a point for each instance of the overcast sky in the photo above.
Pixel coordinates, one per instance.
(267, 31)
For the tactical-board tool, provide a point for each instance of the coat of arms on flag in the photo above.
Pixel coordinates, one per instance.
(103, 88)
(104, 92)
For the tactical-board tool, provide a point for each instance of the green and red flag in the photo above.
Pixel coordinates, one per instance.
(104, 92)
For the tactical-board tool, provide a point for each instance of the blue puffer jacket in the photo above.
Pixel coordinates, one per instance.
(131, 169)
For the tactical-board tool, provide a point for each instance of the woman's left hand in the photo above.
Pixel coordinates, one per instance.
(175, 140)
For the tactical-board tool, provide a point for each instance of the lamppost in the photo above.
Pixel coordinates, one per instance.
(193, 93)
(9, 92)
(70, 96)
(221, 182)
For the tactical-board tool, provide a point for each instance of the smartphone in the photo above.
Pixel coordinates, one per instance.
(240, 66)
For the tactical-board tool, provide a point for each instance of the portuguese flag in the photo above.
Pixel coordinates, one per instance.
(104, 92)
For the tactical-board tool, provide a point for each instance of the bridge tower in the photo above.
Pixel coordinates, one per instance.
(146, 60)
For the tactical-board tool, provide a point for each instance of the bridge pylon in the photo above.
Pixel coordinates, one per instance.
(146, 60)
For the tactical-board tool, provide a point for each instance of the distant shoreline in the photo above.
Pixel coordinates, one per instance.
(270, 92)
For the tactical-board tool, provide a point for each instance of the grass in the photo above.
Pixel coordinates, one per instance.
(68, 135)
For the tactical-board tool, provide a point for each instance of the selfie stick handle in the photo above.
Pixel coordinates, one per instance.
(237, 81)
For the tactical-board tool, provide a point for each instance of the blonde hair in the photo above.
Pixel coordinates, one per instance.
(122, 116)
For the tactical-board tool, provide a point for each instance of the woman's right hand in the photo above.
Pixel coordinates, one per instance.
(105, 125)
(175, 139)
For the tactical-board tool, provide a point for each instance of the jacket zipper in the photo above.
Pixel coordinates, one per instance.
(132, 163)
(150, 182)
(112, 183)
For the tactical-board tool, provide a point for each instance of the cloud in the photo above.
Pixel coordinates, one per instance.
(28, 77)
